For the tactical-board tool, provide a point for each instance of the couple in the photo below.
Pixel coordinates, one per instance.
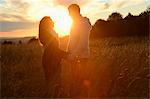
(77, 51)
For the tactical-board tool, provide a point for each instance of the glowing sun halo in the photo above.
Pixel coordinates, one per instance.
(59, 15)
(63, 25)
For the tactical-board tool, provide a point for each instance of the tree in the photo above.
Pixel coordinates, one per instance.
(148, 9)
(128, 16)
(146, 13)
(115, 16)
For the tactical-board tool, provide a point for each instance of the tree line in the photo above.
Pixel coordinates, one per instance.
(116, 25)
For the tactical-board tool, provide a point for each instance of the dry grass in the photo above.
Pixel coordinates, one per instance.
(119, 67)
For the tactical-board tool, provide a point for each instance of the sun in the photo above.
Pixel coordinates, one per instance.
(60, 16)
(63, 25)
(62, 20)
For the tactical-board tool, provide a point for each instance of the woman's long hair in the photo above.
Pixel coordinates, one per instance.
(45, 26)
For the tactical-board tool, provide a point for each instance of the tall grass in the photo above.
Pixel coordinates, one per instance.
(119, 67)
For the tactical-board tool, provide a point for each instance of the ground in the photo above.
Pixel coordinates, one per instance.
(119, 67)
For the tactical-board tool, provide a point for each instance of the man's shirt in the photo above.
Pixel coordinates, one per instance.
(79, 39)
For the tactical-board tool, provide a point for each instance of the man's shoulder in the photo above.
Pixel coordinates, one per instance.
(87, 20)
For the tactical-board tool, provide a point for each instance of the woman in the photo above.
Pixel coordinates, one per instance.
(52, 54)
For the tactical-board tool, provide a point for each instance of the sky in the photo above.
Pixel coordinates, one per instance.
(20, 18)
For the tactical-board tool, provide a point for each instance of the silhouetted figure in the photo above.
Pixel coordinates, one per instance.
(52, 56)
(78, 49)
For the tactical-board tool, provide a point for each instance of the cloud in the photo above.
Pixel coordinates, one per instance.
(14, 9)
(68, 2)
(111, 4)
(120, 4)
(64, 2)
(103, 6)
(123, 3)
(19, 6)
(12, 18)
(23, 10)
(20, 33)
(11, 26)
(22, 14)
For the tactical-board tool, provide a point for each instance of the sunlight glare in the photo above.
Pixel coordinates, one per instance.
(59, 15)
(63, 25)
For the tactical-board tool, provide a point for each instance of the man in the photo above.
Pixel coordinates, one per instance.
(78, 47)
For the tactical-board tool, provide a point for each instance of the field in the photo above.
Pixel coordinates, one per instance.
(119, 67)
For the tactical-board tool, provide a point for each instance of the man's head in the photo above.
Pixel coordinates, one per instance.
(74, 10)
